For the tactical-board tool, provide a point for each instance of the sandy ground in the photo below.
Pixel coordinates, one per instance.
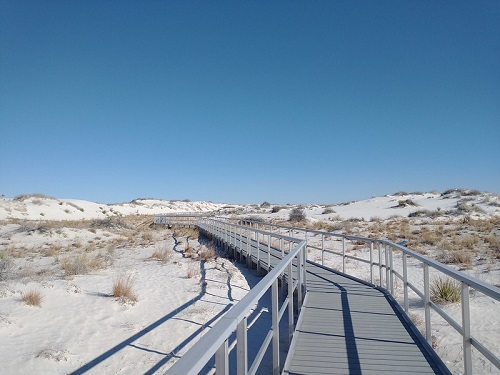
(81, 326)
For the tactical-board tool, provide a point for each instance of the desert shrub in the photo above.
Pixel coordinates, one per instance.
(427, 237)
(6, 267)
(469, 241)
(32, 297)
(147, 236)
(400, 193)
(455, 257)
(122, 289)
(493, 241)
(297, 215)
(23, 197)
(406, 202)
(162, 254)
(432, 214)
(52, 250)
(82, 264)
(328, 210)
(276, 209)
(444, 289)
(192, 271)
(207, 253)
(265, 204)
(192, 233)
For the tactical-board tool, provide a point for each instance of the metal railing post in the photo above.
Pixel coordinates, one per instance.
(391, 268)
(427, 304)
(387, 269)
(299, 281)
(221, 362)
(241, 348)
(258, 251)
(304, 273)
(380, 264)
(405, 284)
(291, 323)
(343, 254)
(466, 329)
(269, 252)
(322, 249)
(276, 332)
(371, 262)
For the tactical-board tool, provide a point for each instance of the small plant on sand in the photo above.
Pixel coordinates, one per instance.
(7, 267)
(163, 254)
(192, 270)
(297, 215)
(444, 289)
(207, 253)
(32, 297)
(82, 264)
(122, 289)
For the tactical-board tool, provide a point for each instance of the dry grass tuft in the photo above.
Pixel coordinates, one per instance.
(32, 297)
(82, 264)
(163, 254)
(192, 271)
(122, 289)
(207, 253)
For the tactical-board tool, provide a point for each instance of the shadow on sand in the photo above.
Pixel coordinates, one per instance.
(260, 326)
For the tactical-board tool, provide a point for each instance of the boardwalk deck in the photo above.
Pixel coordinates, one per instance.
(347, 326)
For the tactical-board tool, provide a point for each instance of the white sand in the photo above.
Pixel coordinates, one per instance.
(80, 323)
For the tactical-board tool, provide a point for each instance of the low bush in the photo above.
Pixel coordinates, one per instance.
(122, 289)
(444, 289)
(32, 297)
(207, 253)
(162, 254)
(82, 264)
(297, 215)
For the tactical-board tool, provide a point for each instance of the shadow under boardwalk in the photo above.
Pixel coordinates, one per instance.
(348, 327)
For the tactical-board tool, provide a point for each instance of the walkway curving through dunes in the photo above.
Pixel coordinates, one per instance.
(347, 326)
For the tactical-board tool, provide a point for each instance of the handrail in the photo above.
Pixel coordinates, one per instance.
(215, 341)
(385, 262)
(387, 275)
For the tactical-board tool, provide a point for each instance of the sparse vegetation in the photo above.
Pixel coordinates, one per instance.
(6, 266)
(192, 271)
(207, 253)
(23, 197)
(444, 289)
(406, 202)
(297, 215)
(82, 264)
(122, 289)
(162, 253)
(32, 297)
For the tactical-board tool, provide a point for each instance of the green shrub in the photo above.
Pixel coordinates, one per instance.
(297, 215)
(444, 289)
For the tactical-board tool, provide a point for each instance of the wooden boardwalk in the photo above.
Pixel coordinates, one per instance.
(347, 326)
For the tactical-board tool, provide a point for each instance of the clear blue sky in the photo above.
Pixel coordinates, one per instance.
(248, 101)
